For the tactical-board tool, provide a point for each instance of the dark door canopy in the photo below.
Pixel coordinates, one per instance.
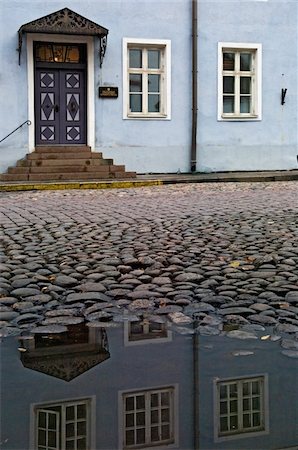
(65, 21)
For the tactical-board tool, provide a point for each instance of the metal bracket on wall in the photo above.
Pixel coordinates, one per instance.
(283, 96)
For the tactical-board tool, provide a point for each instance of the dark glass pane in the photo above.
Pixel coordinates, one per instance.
(70, 445)
(70, 430)
(154, 400)
(245, 61)
(245, 83)
(130, 437)
(141, 436)
(72, 54)
(233, 406)
(81, 428)
(255, 387)
(223, 391)
(52, 422)
(81, 444)
(153, 103)
(224, 424)
(153, 83)
(52, 439)
(165, 431)
(44, 53)
(141, 402)
(81, 411)
(154, 416)
(256, 419)
(153, 59)
(246, 404)
(41, 437)
(135, 83)
(256, 403)
(228, 104)
(245, 105)
(42, 420)
(136, 328)
(228, 85)
(234, 423)
(246, 388)
(130, 420)
(228, 61)
(165, 415)
(223, 407)
(129, 404)
(246, 421)
(135, 102)
(141, 418)
(70, 412)
(135, 58)
(165, 399)
(154, 434)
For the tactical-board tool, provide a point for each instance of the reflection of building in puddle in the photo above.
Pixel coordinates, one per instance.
(145, 331)
(68, 354)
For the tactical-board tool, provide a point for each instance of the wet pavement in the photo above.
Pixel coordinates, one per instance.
(201, 269)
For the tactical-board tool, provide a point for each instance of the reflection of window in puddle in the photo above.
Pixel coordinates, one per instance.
(76, 334)
(241, 406)
(148, 418)
(64, 425)
(144, 331)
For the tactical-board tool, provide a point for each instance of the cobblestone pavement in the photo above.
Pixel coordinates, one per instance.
(224, 253)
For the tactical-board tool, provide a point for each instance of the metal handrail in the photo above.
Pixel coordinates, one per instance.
(28, 122)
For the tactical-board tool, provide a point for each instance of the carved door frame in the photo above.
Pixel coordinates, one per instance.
(90, 92)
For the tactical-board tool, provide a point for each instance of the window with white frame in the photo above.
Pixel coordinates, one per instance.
(63, 426)
(146, 78)
(148, 418)
(239, 81)
(240, 406)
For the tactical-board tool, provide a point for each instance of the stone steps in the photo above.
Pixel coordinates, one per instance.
(65, 163)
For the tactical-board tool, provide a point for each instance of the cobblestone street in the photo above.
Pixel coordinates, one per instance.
(226, 252)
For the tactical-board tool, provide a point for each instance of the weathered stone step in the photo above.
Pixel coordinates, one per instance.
(62, 148)
(102, 168)
(66, 162)
(92, 176)
(64, 155)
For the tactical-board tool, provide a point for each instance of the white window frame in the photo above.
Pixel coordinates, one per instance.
(147, 337)
(256, 50)
(264, 409)
(165, 89)
(60, 417)
(170, 443)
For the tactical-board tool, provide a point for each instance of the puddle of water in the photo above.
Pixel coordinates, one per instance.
(142, 384)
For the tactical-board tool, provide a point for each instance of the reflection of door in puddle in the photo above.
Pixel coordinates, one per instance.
(60, 106)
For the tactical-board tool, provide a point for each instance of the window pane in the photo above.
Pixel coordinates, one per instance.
(52, 422)
(256, 403)
(256, 419)
(234, 423)
(154, 434)
(69, 430)
(246, 404)
(153, 59)
(165, 432)
(130, 437)
(165, 415)
(42, 420)
(228, 104)
(154, 400)
(223, 391)
(70, 413)
(72, 54)
(82, 444)
(165, 398)
(70, 445)
(52, 439)
(154, 416)
(41, 437)
(246, 386)
(141, 418)
(224, 424)
(246, 421)
(233, 406)
(130, 420)
(135, 83)
(153, 83)
(81, 411)
(245, 83)
(228, 85)
(153, 103)
(141, 436)
(245, 61)
(223, 407)
(141, 402)
(135, 58)
(135, 103)
(245, 105)
(255, 387)
(130, 404)
(228, 61)
(81, 428)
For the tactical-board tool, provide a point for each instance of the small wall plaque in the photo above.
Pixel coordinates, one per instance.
(108, 91)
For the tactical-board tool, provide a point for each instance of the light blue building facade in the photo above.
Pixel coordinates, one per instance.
(138, 86)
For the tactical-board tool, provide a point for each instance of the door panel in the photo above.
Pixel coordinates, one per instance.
(60, 106)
